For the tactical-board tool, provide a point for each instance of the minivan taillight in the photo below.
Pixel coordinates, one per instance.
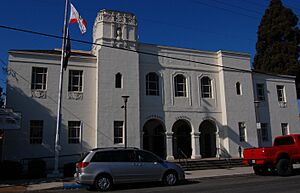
(82, 164)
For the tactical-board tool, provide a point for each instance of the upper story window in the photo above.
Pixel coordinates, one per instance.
(36, 132)
(260, 92)
(118, 80)
(180, 85)
(264, 131)
(118, 132)
(38, 78)
(75, 80)
(74, 131)
(280, 93)
(238, 87)
(152, 84)
(206, 91)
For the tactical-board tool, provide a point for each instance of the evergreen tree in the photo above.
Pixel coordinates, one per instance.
(277, 46)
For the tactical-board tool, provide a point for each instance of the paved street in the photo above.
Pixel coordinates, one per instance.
(248, 183)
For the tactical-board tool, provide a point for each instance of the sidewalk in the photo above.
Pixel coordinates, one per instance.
(34, 185)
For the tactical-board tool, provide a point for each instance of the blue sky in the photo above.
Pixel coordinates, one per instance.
(199, 24)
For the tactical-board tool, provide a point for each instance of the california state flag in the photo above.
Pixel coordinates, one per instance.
(76, 18)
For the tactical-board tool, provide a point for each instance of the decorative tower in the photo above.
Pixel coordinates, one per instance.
(116, 29)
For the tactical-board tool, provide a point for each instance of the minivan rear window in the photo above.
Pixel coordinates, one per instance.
(114, 156)
(284, 141)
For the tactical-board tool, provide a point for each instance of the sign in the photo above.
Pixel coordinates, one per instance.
(258, 126)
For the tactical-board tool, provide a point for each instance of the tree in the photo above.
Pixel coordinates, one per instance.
(277, 46)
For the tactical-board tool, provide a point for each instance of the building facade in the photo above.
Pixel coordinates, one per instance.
(182, 102)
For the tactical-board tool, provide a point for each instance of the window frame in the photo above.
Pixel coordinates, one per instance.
(118, 80)
(152, 84)
(42, 84)
(285, 129)
(36, 131)
(260, 95)
(118, 132)
(281, 93)
(74, 132)
(204, 93)
(242, 131)
(180, 85)
(71, 85)
(238, 87)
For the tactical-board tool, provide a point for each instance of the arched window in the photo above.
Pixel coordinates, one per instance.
(152, 84)
(206, 87)
(180, 85)
(118, 80)
(238, 88)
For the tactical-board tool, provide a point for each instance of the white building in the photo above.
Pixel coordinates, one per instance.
(181, 101)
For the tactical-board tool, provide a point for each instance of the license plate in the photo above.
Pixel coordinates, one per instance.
(253, 161)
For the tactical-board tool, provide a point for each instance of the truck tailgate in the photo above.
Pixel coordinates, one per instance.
(258, 155)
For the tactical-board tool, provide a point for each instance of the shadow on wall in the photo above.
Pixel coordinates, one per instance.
(18, 143)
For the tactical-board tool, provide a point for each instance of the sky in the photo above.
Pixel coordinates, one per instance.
(210, 25)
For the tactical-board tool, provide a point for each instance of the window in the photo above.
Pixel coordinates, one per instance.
(280, 93)
(147, 157)
(284, 141)
(74, 132)
(118, 132)
(118, 80)
(75, 80)
(260, 89)
(284, 128)
(238, 88)
(114, 156)
(36, 131)
(206, 87)
(38, 78)
(152, 84)
(264, 131)
(242, 131)
(180, 85)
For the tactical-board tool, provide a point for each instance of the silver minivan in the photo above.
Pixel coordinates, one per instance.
(103, 167)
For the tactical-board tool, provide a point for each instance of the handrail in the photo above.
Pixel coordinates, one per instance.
(184, 155)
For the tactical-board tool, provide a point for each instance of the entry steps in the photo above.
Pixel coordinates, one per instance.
(210, 163)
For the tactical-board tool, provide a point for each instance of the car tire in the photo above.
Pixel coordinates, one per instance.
(284, 167)
(170, 178)
(103, 183)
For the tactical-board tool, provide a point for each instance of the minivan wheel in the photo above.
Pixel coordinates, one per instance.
(170, 178)
(103, 183)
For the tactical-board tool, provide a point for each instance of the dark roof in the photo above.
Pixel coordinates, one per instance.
(56, 52)
(274, 74)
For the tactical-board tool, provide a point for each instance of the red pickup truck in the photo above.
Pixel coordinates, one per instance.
(278, 158)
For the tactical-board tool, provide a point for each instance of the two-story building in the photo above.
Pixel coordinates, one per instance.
(182, 102)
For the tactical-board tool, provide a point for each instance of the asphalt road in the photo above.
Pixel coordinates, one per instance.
(230, 184)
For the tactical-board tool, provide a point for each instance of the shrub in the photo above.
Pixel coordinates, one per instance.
(69, 169)
(10, 170)
(37, 168)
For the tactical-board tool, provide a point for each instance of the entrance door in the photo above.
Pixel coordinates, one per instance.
(182, 145)
(154, 138)
(207, 139)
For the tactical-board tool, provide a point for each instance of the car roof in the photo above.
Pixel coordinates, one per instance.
(115, 148)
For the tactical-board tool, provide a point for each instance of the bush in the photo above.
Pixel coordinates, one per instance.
(37, 168)
(69, 169)
(10, 170)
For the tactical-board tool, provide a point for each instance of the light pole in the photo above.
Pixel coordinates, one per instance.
(258, 125)
(125, 99)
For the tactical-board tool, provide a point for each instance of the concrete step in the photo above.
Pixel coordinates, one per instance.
(204, 164)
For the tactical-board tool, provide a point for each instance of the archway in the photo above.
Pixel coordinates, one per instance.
(182, 145)
(154, 139)
(208, 131)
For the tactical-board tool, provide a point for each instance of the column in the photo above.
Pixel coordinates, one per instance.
(169, 136)
(218, 145)
(196, 145)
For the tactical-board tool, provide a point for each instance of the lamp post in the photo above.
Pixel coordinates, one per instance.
(258, 125)
(125, 99)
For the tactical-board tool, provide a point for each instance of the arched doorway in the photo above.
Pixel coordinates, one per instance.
(182, 145)
(208, 131)
(154, 139)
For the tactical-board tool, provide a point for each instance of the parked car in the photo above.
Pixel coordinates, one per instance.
(278, 158)
(103, 167)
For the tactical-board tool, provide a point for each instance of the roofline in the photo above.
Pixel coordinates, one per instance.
(76, 53)
(273, 74)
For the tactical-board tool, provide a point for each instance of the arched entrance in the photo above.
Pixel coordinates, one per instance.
(208, 131)
(182, 145)
(154, 139)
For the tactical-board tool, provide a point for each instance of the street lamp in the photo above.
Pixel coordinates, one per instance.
(125, 99)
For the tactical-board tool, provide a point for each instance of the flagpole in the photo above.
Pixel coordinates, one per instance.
(57, 147)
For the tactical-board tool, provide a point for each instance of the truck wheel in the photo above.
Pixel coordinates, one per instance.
(284, 167)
